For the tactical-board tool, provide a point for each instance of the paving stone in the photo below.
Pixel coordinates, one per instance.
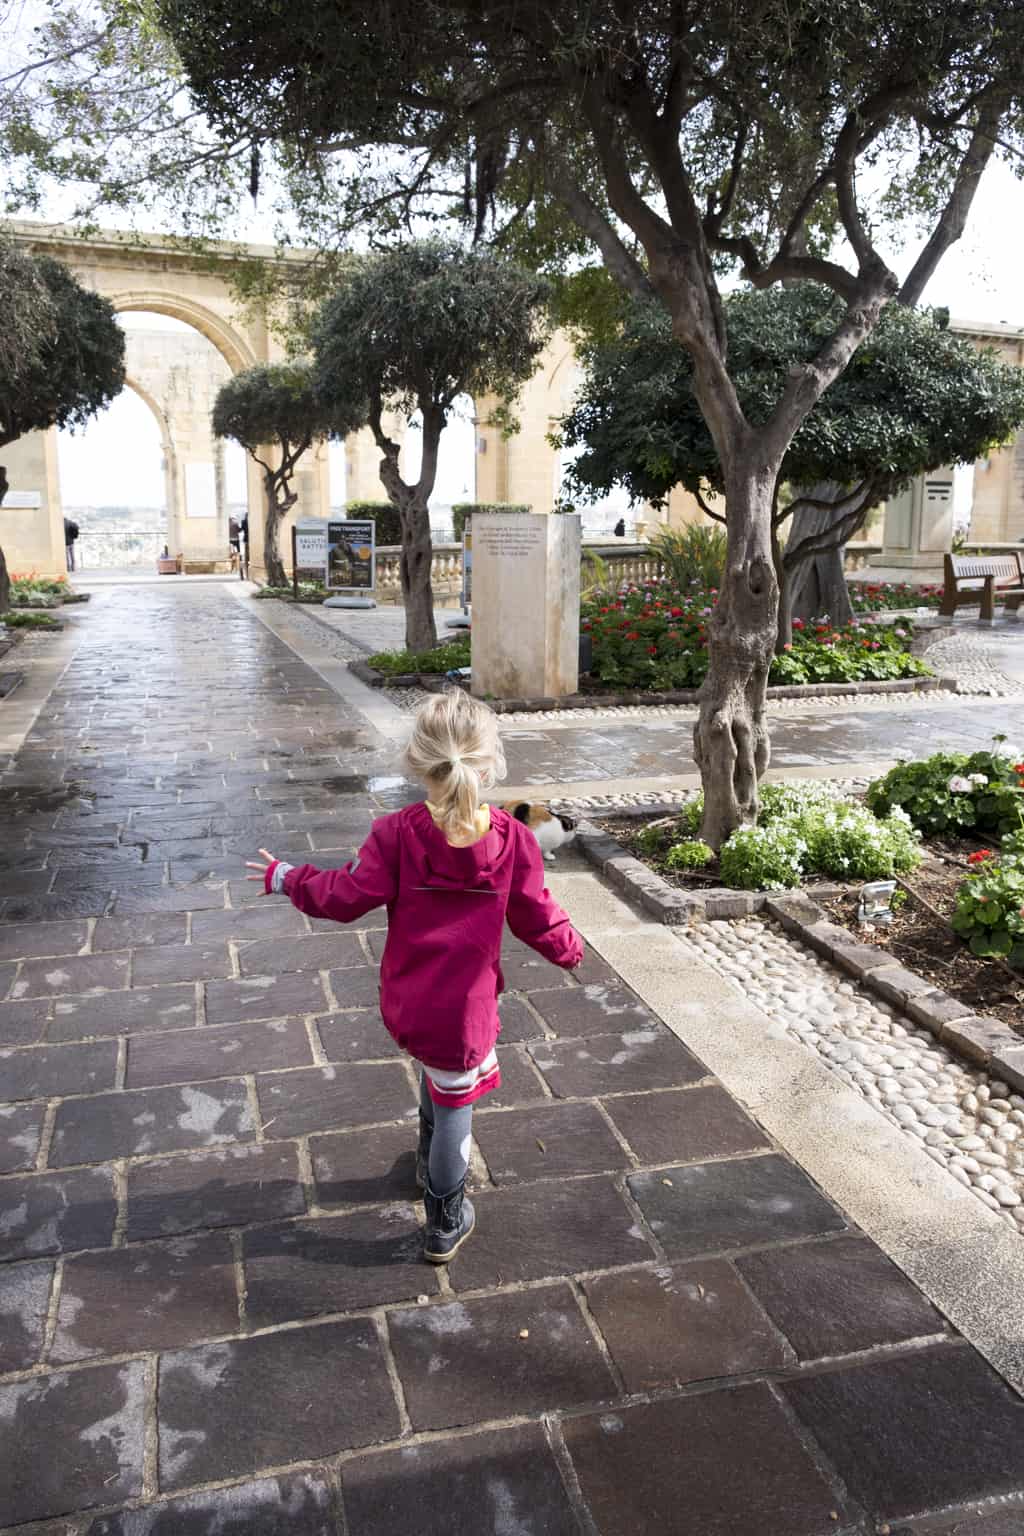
(723, 1462)
(124, 1013)
(26, 940)
(705, 1207)
(180, 962)
(684, 1124)
(276, 921)
(681, 1323)
(1005, 1522)
(356, 1036)
(313, 952)
(524, 1352)
(74, 1440)
(502, 1482)
(596, 1009)
(21, 1127)
(634, 1059)
(517, 1021)
(226, 1188)
(142, 929)
(229, 1408)
(356, 987)
(224, 1050)
(581, 1224)
(156, 1296)
(294, 1504)
(45, 908)
(23, 1023)
(55, 1212)
(837, 1297)
(74, 973)
(595, 969)
(194, 898)
(366, 1166)
(326, 1098)
(45, 1071)
(150, 1120)
(334, 1264)
(551, 1141)
(917, 1433)
(263, 997)
(24, 1302)
(526, 971)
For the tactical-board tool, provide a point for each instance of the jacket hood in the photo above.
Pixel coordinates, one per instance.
(483, 864)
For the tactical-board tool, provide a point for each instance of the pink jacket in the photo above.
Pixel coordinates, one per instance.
(441, 972)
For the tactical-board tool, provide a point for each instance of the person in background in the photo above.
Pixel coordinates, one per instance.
(620, 528)
(70, 535)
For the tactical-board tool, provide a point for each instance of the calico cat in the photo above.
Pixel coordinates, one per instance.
(551, 829)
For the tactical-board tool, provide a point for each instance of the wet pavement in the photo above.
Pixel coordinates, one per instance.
(213, 1315)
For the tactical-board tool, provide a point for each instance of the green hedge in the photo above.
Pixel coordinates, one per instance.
(389, 524)
(463, 509)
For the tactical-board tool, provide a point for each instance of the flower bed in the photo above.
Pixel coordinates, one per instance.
(876, 596)
(656, 638)
(32, 591)
(435, 663)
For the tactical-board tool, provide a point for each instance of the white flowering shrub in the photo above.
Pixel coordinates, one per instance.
(764, 858)
(850, 842)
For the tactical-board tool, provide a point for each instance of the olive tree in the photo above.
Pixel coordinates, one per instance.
(413, 328)
(276, 414)
(913, 398)
(779, 140)
(61, 354)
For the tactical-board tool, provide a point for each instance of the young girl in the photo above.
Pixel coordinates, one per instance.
(450, 872)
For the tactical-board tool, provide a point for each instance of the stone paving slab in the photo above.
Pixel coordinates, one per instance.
(213, 1317)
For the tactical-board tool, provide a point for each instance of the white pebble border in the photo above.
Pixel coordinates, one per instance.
(970, 1123)
(966, 657)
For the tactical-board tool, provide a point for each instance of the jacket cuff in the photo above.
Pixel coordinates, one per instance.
(274, 880)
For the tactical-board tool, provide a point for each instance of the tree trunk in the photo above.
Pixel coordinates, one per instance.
(417, 557)
(731, 737)
(5, 580)
(273, 564)
(817, 585)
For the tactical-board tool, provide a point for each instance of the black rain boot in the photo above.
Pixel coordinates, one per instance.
(450, 1220)
(423, 1151)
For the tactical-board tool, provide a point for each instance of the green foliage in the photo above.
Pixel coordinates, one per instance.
(657, 638)
(276, 403)
(443, 658)
(78, 366)
(876, 596)
(23, 619)
(955, 792)
(690, 854)
(417, 325)
(850, 842)
(386, 517)
(989, 911)
(691, 556)
(461, 510)
(915, 396)
(765, 858)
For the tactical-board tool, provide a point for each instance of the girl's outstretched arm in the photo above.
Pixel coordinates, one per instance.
(533, 913)
(367, 881)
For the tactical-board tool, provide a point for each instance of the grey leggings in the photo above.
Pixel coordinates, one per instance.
(449, 1145)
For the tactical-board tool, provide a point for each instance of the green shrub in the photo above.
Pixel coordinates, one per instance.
(851, 843)
(792, 802)
(990, 910)
(445, 658)
(20, 619)
(692, 556)
(955, 791)
(464, 509)
(385, 516)
(767, 858)
(691, 854)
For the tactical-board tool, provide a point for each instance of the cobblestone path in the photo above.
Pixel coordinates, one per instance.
(213, 1316)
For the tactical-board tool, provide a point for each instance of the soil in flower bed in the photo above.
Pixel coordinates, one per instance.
(921, 939)
(919, 936)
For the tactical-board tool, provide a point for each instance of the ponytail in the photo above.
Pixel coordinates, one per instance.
(456, 751)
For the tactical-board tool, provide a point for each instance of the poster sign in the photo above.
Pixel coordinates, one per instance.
(23, 499)
(351, 557)
(467, 566)
(309, 554)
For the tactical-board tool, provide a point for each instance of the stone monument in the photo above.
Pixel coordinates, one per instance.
(919, 528)
(526, 605)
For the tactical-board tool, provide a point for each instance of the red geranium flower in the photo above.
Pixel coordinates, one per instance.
(980, 856)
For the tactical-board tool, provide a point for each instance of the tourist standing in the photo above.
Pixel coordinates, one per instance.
(70, 535)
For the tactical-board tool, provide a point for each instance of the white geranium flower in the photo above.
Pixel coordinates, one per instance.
(959, 785)
(978, 778)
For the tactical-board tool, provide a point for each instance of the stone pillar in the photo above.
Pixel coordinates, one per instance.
(919, 526)
(526, 605)
(32, 518)
(362, 468)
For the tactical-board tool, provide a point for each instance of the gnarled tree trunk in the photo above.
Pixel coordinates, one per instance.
(816, 585)
(731, 743)
(412, 502)
(277, 505)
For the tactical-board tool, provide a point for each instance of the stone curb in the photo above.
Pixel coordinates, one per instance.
(983, 1042)
(432, 683)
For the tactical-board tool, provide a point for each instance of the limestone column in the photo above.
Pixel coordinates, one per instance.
(919, 526)
(526, 605)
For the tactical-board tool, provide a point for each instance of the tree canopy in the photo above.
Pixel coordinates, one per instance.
(412, 328)
(914, 397)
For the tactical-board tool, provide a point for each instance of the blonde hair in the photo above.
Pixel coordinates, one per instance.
(456, 751)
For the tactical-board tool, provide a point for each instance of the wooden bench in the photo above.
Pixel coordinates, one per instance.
(1000, 575)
